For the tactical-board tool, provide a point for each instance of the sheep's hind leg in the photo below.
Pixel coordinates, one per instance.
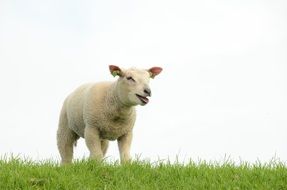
(105, 145)
(66, 138)
(93, 143)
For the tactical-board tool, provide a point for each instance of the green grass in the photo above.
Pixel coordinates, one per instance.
(19, 174)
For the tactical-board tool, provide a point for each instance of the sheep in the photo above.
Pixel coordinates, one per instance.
(102, 112)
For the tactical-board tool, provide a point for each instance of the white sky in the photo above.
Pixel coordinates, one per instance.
(223, 90)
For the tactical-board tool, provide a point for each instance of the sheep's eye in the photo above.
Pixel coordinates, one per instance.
(131, 79)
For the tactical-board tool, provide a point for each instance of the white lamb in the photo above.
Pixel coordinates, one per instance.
(104, 111)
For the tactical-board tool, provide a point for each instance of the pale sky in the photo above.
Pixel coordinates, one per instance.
(223, 90)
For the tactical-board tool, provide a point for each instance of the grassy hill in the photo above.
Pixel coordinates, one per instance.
(84, 175)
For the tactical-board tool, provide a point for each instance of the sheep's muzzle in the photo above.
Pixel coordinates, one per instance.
(143, 99)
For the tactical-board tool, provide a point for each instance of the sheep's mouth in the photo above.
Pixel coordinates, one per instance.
(143, 99)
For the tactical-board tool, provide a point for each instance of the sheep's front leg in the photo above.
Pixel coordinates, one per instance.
(124, 143)
(93, 142)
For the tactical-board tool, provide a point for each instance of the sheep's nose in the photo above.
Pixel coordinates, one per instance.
(147, 91)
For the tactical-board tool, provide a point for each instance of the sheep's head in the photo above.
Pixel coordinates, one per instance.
(133, 84)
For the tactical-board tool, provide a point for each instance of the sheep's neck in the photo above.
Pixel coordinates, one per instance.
(116, 106)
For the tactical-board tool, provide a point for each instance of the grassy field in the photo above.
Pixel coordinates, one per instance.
(18, 174)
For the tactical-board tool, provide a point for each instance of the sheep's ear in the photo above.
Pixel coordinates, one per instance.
(154, 71)
(115, 70)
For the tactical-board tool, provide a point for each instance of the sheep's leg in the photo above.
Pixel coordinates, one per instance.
(104, 145)
(124, 144)
(66, 139)
(93, 143)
